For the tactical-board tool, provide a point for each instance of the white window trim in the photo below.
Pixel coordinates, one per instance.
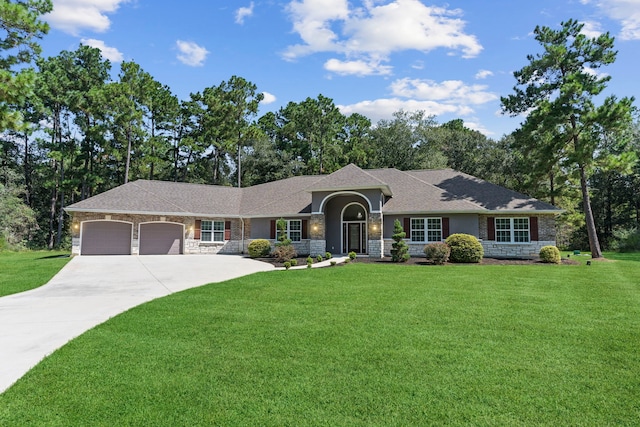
(512, 230)
(426, 229)
(213, 231)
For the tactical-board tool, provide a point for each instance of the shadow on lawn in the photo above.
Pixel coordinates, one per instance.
(54, 256)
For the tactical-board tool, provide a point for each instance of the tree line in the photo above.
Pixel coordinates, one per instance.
(71, 131)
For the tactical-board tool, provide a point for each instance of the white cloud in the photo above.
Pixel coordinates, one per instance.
(591, 29)
(627, 12)
(385, 107)
(243, 13)
(595, 73)
(72, 16)
(268, 98)
(358, 68)
(483, 74)
(191, 54)
(474, 125)
(448, 97)
(448, 91)
(371, 33)
(108, 52)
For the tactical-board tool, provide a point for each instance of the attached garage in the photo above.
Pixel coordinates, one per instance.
(161, 238)
(106, 238)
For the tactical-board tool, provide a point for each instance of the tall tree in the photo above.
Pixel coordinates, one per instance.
(127, 99)
(20, 27)
(241, 105)
(404, 143)
(557, 90)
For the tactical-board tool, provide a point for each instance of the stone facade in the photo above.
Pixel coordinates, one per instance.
(191, 245)
(375, 244)
(317, 247)
(514, 250)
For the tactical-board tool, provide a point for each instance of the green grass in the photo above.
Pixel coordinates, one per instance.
(363, 344)
(24, 270)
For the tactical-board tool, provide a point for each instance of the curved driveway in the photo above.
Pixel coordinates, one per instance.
(90, 290)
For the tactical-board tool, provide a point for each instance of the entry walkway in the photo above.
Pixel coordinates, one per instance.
(91, 289)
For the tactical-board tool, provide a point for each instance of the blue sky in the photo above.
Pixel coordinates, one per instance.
(374, 57)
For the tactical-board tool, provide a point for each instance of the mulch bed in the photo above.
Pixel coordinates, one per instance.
(422, 261)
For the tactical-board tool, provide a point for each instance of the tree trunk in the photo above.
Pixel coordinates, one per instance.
(52, 209)
(239, 166)
(128, 162)
(552, 189)
(61, 211)
(594, 243)
(27, 170)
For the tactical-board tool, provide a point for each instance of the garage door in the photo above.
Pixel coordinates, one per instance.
(106, 238)
(161, 238)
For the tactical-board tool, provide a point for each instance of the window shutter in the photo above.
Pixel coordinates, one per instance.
(533, 228)
(305, 226)
(227, 230)
(272, 231)
(445, 228)
(196, 230)
(407, 227)
(491, 228)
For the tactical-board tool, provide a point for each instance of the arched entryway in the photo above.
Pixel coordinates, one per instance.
(354, 228)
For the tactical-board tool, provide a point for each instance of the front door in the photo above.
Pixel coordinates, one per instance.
(354, 237)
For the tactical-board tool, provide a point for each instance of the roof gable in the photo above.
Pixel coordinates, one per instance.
(350, 177)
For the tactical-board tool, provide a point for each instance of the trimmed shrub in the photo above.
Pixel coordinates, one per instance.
(550, 254)
(284, 253)
(327, 255)
(352, 255)
(319, 258)
(347, 261)
(400, 249)
(259, 248)
(308, 265)
(333, 263)
(287, 265)
(294, 262)
(309, 260)
(464, 248)
(438, 253)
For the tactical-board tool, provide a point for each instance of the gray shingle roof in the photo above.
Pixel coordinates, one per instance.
(425, 191)
(350, 177)
(461, 186)
(143, 196)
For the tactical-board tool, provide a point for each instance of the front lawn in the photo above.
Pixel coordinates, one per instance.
(21, 271)
(362, 344)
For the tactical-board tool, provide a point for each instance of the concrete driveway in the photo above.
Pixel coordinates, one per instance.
(91, 289)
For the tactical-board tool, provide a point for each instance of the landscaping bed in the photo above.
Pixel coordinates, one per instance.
(302, 261)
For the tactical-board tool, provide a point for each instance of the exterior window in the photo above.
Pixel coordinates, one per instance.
(212, 231)
(293, 230)
(417, 229)
(426, 229)
(512, 230)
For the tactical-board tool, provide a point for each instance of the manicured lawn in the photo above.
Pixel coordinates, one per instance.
(21, 271)
(362, 344)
